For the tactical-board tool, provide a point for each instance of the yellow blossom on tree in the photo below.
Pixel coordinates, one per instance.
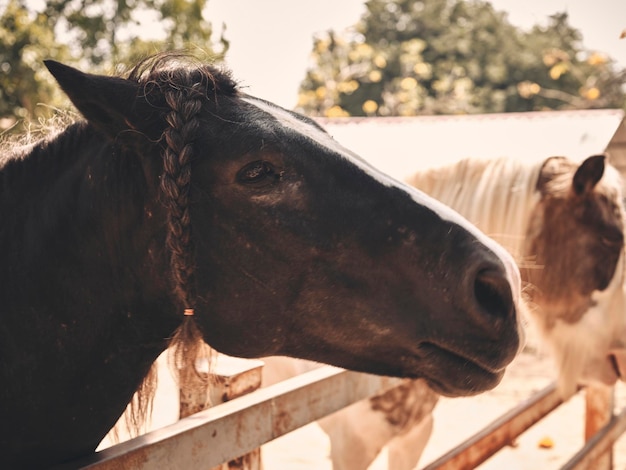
(554, 56)
(422, 69)
(380, 61)
(321, 92)
(558, 70)
(590, 93)
(528, 89)
(370, 107)
(321, 46)
(362, 50)
(375, 76)
(336, 111)
(307, 97)
(347, 87)
(596, 59)
(408, 83)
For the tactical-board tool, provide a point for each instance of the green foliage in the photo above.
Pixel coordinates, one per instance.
(567, 76)
(410, 57)
(25, 41)
(98, 35)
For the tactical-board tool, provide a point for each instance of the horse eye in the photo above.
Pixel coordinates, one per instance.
(258, 173)
(612, 239)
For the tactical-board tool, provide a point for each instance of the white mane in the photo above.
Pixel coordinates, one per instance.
(497, 195)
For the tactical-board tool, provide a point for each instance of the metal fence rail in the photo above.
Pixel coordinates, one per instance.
(503, 431)
(598, 445)
(234, 428)
(602, 429)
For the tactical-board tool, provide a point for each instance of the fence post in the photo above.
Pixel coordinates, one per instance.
(598, 412)
(230, 378)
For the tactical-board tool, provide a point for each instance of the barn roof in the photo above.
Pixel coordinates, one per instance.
(401, 145)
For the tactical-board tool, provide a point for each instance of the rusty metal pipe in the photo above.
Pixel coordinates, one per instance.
(503, 431)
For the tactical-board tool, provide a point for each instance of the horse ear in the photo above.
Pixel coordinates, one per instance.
(105, 101)
(588, 174)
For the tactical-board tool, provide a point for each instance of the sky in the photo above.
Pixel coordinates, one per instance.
(271, 39)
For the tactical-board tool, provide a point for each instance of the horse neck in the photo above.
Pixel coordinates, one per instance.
(600, 328)
(79, 205)
(85, 303)
(496, 195)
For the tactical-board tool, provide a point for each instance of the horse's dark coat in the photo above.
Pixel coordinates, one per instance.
(297, 250)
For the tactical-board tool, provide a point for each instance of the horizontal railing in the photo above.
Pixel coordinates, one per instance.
(227, 431)
(232, 429)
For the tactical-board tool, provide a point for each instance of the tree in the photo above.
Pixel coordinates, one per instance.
(567, 76)
(25, 41)
(107, 31)
(409, 57)
(99, 35)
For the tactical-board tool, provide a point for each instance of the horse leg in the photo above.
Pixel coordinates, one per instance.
(405, 450)
(357, 434)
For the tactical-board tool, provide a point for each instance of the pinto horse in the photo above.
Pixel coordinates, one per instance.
(183, 209)
(564, 223)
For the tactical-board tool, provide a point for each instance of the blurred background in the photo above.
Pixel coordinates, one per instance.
(329, 58)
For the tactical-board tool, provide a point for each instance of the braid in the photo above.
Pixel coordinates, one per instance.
(185, 104)
(175, 184)
(168, 83)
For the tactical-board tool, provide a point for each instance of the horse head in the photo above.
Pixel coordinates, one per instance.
(282, 242)
(575, 267)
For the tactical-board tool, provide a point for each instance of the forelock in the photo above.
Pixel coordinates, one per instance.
(181, 72)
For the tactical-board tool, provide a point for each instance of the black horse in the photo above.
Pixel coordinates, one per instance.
(182, 204)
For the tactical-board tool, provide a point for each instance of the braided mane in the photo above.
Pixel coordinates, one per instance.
(178, 86)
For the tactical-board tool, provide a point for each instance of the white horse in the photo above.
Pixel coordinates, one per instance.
(564, 224)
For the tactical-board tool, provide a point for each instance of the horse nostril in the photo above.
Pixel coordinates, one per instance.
(493, 293)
